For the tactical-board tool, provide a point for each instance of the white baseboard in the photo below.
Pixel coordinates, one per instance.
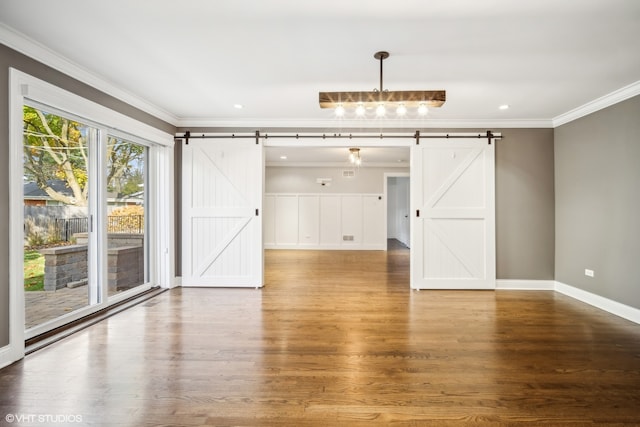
(4, 357)
(8, 356)
(613, 307)
(526, 285)
(176, 282)
(610, 306)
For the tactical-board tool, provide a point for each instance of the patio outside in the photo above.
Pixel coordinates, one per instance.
(54, 286)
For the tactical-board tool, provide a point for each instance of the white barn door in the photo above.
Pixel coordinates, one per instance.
(222, 213)
(453, 214)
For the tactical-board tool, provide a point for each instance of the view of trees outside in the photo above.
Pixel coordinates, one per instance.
(55, 148)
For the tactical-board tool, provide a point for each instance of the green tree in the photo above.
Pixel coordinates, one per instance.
(134, 183)
(125, 166)
(55, 148)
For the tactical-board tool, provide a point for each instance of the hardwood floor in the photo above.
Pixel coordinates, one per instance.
(337, 338)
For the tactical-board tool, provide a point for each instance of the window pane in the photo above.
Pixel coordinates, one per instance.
(56, 196)
(126, 221)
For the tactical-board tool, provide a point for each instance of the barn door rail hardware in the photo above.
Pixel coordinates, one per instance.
(187, 135)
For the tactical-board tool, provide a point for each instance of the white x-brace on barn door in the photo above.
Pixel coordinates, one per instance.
(222, 213)
(453, 214)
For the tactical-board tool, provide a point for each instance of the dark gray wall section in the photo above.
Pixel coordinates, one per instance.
(11, 58)
(597, 180)
(525, 230)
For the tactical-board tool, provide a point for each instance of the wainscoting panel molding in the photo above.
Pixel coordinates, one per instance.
(324, 221)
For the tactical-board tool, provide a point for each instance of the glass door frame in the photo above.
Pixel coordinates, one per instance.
(25, 89)
(148, 219)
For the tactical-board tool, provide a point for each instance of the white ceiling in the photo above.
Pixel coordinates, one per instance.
(337, 156)
(192, 60)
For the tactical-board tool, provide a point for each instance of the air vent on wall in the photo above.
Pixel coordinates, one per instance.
(348, 173)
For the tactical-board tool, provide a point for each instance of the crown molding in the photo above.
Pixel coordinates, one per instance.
(362, 124)
(598, 104)
(29, 47)
(26, 46)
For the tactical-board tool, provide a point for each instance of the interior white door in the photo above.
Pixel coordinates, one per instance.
(222, 208)
(453, 214)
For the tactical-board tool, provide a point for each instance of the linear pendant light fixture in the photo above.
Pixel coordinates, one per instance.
(381, 99)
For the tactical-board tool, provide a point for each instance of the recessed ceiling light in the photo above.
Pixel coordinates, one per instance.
(504, 107)
(238, 106)
(283, 157)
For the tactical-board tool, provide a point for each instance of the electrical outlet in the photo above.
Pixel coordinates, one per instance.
(588, 272)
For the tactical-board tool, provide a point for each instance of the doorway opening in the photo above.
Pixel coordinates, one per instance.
(398, 205)
(311, 206)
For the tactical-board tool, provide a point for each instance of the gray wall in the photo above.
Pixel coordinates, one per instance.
(303, 179)
(11, 58)
(525, 205)
(597, 170)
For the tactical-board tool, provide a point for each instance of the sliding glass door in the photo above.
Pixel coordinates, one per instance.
(126, 190)
(84, 231)
(91, 196)
(57, 177)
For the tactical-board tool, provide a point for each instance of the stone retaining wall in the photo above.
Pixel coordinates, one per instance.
(125, 267)
(67, 266)
(64, 264)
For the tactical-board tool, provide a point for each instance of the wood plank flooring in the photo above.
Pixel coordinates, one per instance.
(338, 339)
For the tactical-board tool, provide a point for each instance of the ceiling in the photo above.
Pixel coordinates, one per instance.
(190, 61)
(336, 156)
